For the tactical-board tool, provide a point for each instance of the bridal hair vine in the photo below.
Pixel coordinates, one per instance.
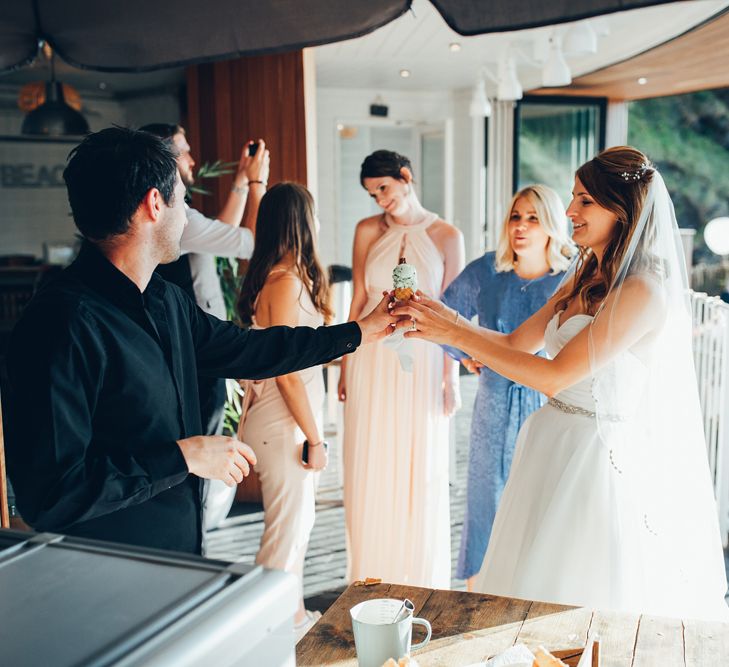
(636, 175)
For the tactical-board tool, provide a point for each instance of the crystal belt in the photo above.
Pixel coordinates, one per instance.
(576, 410)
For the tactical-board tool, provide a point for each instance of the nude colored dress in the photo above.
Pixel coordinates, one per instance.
(396, 437)
(288, 488)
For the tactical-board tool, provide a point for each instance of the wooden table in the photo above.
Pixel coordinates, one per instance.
(471, 627)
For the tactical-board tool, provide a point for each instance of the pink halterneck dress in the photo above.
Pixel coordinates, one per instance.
(396, 436)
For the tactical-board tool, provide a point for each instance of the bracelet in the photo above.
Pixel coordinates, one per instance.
(458, 316)
(315, 444)
(263, 183)
(239, 189)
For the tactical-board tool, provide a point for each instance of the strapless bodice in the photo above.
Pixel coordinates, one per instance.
(627, 370)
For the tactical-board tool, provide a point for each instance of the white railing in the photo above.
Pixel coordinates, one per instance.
(711, 356)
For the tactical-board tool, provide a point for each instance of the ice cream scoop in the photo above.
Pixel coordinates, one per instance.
(404, 280)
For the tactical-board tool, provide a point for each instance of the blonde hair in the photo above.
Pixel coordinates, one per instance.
(551, 215)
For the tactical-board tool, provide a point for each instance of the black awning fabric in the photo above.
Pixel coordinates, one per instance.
(477, 17)
(139, 35)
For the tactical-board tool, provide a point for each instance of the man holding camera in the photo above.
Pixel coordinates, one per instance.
(196, 271)
(206, 238)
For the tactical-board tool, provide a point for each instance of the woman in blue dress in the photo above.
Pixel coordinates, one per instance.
(503, 288)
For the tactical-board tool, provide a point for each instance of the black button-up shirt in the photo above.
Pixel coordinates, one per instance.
(103, 382)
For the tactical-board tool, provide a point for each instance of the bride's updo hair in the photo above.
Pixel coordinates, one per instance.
(384, 163)
(617, 179)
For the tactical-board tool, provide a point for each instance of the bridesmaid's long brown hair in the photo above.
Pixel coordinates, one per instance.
(285, 225)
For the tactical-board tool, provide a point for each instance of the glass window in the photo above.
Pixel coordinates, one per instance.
(687, 137)
(553, 136)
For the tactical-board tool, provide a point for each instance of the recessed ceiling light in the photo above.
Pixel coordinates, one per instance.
(454, 46)
(404, 73)
(340, 127)
(642, 81)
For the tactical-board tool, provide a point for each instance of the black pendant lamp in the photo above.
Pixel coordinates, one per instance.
(54, 118)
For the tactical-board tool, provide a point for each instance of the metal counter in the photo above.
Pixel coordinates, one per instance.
(71, 602)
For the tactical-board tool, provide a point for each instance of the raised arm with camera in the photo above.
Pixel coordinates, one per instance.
(249, 185)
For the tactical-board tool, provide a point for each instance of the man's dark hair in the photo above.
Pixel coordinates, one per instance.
(163, 130)
(108, 175)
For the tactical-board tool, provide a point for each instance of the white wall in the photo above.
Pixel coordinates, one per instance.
(350, 106)
(33, 203)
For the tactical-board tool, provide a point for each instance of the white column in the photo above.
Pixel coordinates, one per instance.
(499, 182)
(616, 123)
(478, 188)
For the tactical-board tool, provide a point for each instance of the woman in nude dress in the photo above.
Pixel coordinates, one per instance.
(286, 285)
(396, 442)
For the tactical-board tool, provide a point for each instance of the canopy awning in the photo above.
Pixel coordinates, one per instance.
(140, 35)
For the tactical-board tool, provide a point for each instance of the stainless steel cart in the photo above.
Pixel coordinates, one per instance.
(66, 601)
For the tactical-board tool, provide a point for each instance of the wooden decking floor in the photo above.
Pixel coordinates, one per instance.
(238, 537)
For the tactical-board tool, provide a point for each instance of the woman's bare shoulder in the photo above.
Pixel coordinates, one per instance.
(645, 289)
(371, 226)
(281, 283)
(445, 235)
(367, 232)
(445, 229)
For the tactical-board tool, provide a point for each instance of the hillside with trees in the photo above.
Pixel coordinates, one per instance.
(687, 136)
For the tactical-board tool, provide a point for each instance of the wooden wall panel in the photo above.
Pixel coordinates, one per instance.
(234, 100)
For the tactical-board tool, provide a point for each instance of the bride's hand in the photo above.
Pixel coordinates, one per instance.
(433, 320)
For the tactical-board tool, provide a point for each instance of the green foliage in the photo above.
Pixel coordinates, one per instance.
(687, 136)
(233, 407)
(211, 170)
(230, 284)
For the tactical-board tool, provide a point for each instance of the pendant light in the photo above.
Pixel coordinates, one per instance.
(480, 106)
(509, 88)
(54, 118)
(556, 71)
(580, 39)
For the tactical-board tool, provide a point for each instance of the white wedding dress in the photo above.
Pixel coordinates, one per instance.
(567, 530)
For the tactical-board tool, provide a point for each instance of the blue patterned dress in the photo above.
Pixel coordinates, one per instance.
(502, 302)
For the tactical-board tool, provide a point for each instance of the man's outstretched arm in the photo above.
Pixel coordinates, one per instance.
(225, 350)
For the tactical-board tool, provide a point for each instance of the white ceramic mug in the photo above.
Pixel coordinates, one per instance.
(377, 638)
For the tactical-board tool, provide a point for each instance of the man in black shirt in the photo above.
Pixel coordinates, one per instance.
(101, 412)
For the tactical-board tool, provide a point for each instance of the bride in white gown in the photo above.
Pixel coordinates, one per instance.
(609, 503)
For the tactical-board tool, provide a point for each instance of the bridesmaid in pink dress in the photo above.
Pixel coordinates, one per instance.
(286, 285)
(396, 421)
